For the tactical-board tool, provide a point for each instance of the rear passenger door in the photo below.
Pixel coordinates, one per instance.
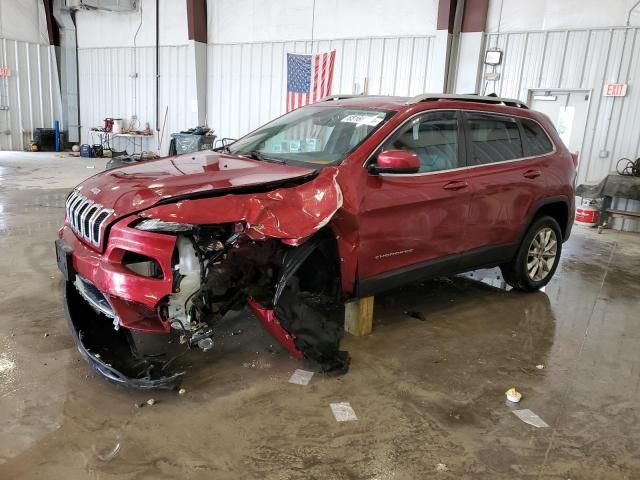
(507, 179)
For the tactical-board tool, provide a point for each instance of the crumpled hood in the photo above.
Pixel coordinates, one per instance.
(137, 187)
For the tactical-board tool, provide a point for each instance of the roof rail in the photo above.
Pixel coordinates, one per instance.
(338, 96)
(425, 97)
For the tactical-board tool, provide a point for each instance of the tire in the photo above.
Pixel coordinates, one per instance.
(537, 258)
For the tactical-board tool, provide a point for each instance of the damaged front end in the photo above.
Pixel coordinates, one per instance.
(270, 251)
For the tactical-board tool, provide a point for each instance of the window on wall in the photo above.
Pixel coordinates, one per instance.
(538, 142)
(433, 137)
(493, 138)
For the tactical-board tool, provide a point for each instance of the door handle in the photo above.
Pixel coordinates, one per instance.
(532, 174)
(456, 185)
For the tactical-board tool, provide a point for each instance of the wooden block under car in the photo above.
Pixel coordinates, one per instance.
(358, 316)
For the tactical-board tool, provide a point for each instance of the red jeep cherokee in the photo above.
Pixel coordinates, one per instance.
(340, 199)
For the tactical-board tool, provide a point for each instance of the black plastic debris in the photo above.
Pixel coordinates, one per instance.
(415, 314)
(318, 330)
(307, 306)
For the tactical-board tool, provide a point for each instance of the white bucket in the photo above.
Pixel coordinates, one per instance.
(117, 125)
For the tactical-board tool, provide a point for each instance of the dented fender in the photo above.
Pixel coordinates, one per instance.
(292, 214)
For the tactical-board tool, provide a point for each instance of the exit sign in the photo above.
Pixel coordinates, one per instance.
(5, 71)
(615, 90)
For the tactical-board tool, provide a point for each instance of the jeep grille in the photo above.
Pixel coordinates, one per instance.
(86, 217)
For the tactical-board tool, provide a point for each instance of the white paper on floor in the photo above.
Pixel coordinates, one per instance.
(343, 412)
(527, 416)
(301, 377)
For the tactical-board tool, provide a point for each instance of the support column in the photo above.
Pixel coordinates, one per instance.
(471, 47)
(197, 31)
(449, 19)
(460, 44)
(68, 69)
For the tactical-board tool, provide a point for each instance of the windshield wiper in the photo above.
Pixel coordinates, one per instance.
(256, 155)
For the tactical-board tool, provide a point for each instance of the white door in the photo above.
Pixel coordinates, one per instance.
(568, 111)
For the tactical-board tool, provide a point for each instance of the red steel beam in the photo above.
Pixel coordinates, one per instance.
(474, 18)
(52, 26)
(197, 20)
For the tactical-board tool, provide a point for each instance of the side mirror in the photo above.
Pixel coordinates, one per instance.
(396, 161)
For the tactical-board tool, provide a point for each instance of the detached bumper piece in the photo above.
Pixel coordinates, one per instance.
(316, 328)
(115, 354)
(316, 337)
(305, 318)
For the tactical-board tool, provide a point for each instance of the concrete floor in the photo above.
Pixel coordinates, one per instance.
(429, 395)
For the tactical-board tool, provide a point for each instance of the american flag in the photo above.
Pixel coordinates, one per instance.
(308, 78)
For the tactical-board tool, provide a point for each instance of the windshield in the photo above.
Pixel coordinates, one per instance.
(315, 135)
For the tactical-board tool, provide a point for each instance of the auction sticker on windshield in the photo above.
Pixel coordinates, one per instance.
(360, 119)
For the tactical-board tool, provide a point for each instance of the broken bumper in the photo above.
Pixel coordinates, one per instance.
(103, 347)
(133, 297)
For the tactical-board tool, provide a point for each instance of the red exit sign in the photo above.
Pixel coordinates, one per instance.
(5, 71)
(615, 90)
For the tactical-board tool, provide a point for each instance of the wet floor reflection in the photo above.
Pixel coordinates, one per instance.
(428, 389)
(31, 212)
(488, 276)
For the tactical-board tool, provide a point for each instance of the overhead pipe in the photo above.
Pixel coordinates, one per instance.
(630, 12)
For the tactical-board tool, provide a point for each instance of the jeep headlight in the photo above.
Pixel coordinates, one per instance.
(155, 225)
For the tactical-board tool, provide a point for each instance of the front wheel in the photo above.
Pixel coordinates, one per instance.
(537, 257)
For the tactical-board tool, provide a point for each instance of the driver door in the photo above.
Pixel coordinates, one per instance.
(414, 223)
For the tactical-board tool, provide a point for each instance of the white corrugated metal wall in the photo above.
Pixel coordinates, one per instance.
(31, 93)
(109, 87)
(581, 59)
(247, 81)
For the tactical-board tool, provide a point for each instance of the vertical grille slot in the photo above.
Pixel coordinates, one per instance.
(86, 218)
(96, 232)
(77, 216)
(89, 213)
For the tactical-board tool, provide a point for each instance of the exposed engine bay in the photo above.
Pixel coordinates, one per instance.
(293, 290)
(151, 277)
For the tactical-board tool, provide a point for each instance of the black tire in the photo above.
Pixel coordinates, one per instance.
(517, 274)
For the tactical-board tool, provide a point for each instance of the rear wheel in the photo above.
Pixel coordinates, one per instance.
(537, 257)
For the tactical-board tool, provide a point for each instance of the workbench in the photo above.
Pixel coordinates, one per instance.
(612, 186)
(106, 139)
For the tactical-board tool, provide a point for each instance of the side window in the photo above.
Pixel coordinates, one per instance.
(433, 137)
(493, 138)
(537, 140)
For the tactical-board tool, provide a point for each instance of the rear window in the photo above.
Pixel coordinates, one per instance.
(538, 142)
(494, 138)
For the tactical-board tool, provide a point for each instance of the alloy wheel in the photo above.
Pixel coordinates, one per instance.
(542, 254)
